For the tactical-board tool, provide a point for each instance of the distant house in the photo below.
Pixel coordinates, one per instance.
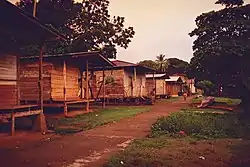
(191, 86)
(188, 82)
(123, 80)
(157, 81)
(174, 85)
(65, 80)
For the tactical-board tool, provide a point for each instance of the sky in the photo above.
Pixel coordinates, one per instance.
(161, 26)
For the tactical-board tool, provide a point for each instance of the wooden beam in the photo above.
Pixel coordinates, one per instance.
(87, 85)
(134, 83)
(82, 85)
(65, 88)
(104, 94)
(99, 91)
(12, 123)
(34, 8)
(154, 87)
(91, 91)
(41, 77)
(41, 122)
(18, 78)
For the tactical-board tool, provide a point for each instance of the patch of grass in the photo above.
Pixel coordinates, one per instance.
(157, 143)
(94, 119)
(142, 152)
(225, 100)
(184, 152)
(171, 99)
(228, 101)
(203, 125)
(197, 100)
(203, 110)
(208, 141)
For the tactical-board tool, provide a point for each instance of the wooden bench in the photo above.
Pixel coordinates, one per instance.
(16, 111)
(61, 103)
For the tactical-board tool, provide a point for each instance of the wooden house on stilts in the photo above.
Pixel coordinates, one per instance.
(19, 29)
(66, 79)
(156, 82)
(124, 82)
(174, 85)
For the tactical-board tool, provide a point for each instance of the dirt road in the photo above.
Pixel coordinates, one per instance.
(89, 148)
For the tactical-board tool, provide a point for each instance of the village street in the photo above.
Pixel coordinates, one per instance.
(89, 148)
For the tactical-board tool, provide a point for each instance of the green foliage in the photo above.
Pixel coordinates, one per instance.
(149, 63)
(206, 86)
(222, 47)
(94, 119)
(141, 153)
(176, 66)
(88, 25)
(171, 65)
(109, 80)
(230, 3)
(162, 63)
(204, 125)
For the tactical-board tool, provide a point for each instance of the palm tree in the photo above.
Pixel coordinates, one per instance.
(162, 62)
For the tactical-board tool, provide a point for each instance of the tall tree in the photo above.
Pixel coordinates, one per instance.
(88, 25)
(176, 66)
(162, 62)
(222, 48)
(149, 63)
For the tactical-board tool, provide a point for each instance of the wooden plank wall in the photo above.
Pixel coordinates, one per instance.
(138, 86)
(149, 86)
(111, 91)
(173, 88)
(160, 87)
(29, 76)
(57, 81)
(8, 77)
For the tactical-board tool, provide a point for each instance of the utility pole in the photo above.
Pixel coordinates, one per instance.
(34, 9)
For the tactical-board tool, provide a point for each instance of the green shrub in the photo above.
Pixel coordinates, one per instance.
(206, 125)
(207, 87)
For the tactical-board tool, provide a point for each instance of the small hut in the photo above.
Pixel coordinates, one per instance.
(124, 80)
(174, 85)
(18, 29)
(157, 81)
(66, 78)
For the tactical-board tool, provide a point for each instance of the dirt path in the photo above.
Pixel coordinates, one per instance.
(90, 148)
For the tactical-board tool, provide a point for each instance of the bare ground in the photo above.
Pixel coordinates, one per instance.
(89, 148)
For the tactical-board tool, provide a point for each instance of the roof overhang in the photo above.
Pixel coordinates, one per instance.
(25, 28)
(95, 59)
(175, 79)
(157, 76)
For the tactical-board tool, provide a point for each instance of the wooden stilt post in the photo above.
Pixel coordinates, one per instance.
(34, 8)
(12, 123)
(135, 84)
(41, 77)
(65, 109)
(40, 123)
(18, 78)
(154, 87)
(87, 85)
(104, 92)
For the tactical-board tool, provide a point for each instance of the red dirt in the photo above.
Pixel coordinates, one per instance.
(89, 148)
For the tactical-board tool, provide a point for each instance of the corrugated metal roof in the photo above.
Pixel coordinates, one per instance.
(174, 79)
(156, 75)
(121, 63)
